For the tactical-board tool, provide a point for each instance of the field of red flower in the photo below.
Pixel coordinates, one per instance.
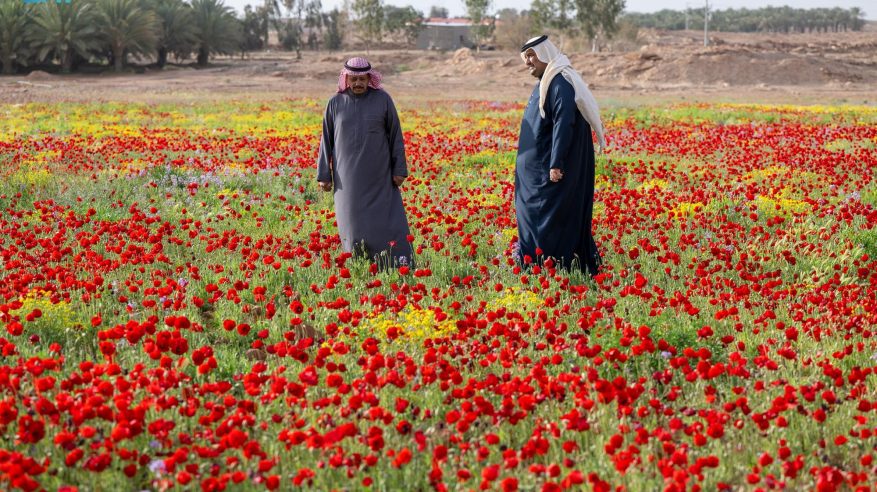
(177, 312)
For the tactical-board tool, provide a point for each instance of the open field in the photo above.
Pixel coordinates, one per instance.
(660, 66)
(177, 313)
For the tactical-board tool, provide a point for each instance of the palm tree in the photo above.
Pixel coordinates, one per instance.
(127, 28)
(218, 29)
(65, 29)
(14, 20)
(177, 31)
(857, 15)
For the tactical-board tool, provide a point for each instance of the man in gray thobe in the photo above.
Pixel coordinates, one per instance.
(362, 158)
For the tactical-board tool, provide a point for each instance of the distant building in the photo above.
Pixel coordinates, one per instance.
(445, 34)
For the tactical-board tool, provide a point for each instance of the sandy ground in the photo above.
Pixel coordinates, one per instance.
(661, 66)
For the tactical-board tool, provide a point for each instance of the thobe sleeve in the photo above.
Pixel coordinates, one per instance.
(563, 112)
(327, 147)
(398, 165)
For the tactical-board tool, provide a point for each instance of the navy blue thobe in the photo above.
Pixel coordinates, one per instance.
(555, 218)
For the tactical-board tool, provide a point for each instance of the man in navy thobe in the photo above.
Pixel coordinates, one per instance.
(554, 171)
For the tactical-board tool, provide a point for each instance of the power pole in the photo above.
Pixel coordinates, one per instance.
(687, 11)
(706, 24)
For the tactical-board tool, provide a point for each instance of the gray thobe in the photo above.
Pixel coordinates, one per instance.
(360, 151)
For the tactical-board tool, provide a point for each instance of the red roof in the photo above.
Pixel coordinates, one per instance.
(452, 21)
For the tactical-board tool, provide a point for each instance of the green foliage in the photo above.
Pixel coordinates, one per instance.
(403, 22)
(591, 18)
(334, 34)
(440, 12)
(15, 19)
(177, 33)
(218, 29)
(254, 30)
(869, 195)
(766, 19)
(313, 21)
(514, 28)
(291, 29)
(867, 239)
(694, 114)
(482, 26)
(598, 17)
(556, 15)
(313, 14)
(290, 33)
(63, 29)
(369, 19)
(127, 27)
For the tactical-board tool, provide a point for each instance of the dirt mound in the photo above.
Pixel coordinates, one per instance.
(674, 60)
(729, 66)
(680, 59)
(461, 63)
(38, 75)
(464, 61)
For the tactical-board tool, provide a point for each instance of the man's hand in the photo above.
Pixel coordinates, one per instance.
(325, 185)
(398, 180)
(555, 174)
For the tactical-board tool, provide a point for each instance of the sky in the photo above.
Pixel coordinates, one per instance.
(457, 7)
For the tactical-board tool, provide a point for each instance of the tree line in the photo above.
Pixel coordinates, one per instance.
(70, 34)
(591, 19)
(766, 19)
(75, 32)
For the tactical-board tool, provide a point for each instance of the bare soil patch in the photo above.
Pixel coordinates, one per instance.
(791, 68)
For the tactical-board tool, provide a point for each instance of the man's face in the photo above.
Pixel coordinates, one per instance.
(534, 64)
(358, 83)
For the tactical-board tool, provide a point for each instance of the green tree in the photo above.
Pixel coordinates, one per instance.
(314, 22)
(857, 17)
(477, 11)
(289, 33)
(541, 13)
(766, 19)
(369, 19)
(514, 28)
(596, 17)
(251, 30)
(63, 30)
(127, 28)
(555, 15)
(218, 30)
(403, 22)
(332, 21)
(558, 15)
(292, 29)
(14, 23)
(176, 29)
(439, 12)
